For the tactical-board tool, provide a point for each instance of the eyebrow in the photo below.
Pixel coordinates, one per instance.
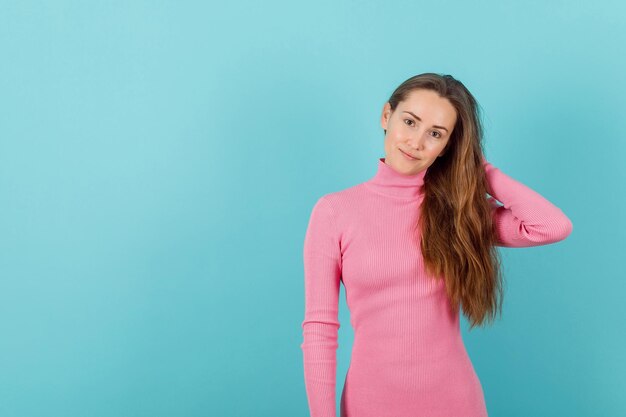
(417, 117)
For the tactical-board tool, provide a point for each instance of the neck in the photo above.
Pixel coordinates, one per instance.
(392, 183)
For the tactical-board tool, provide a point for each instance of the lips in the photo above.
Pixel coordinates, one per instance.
(409, 156)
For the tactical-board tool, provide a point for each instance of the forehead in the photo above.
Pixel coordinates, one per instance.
(430, 107)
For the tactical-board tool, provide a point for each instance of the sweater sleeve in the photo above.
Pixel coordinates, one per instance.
(322, 274)
(526, 217)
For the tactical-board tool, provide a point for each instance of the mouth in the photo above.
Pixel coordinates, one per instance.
(407, 155)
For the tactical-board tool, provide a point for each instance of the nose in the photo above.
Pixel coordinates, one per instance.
(415, 141)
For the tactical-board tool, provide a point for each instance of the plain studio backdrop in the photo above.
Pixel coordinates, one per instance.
(159, 161)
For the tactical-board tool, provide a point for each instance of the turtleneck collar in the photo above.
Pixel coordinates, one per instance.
(392, 183)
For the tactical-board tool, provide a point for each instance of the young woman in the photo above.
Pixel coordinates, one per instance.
(414, 245)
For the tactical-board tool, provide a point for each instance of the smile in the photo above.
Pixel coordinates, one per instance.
(409, 156)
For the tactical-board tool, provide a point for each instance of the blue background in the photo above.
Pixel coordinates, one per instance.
(159, 161)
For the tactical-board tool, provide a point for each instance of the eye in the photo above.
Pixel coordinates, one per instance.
(438, 134)
(408, 120)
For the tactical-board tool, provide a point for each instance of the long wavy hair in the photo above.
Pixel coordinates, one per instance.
(458, 235)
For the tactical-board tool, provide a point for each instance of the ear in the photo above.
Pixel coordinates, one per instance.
(384, 117)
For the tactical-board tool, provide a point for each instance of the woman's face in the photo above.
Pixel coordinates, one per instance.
(419, 127)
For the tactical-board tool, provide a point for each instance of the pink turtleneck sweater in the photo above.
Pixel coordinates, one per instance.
(408, 357)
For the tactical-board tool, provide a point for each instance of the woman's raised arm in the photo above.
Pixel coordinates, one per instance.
(526, 217)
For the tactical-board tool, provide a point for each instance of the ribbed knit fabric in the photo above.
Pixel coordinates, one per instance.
(408, 357)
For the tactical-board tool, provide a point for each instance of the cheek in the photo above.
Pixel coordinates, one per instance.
(400, 134)
(432, 146)
(436, 146)
(433, 149)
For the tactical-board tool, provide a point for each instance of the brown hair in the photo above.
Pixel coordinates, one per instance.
(458, 236)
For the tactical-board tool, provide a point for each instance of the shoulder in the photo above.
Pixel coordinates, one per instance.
(342, 203)
(349, 195)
